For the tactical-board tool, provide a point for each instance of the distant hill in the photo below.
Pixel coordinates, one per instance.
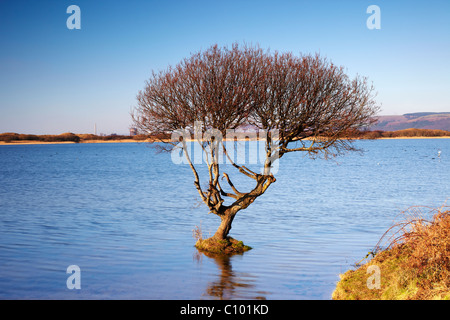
(418, 120)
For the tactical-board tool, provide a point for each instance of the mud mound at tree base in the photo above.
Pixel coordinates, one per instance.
(228, 246)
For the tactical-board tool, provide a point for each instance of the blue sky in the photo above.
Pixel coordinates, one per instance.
(55, 80)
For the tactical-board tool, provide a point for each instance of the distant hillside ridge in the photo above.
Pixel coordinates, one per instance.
(423, 114)
(418, 120)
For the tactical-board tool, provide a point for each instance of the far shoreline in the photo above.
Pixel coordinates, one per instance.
(394, 138)
(33, 142)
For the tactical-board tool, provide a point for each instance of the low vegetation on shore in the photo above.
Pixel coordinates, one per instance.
(10, 137)
(406, 133)
(67, 137)
(415, 265)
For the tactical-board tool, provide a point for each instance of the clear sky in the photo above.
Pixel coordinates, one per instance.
(55, 80)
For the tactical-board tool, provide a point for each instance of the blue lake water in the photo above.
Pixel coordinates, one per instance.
(124, 214)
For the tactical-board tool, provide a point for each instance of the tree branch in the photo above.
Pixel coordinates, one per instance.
(196, 178)
(239, 194)
(242, 169)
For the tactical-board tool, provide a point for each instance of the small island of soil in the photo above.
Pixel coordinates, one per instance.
(228, 246)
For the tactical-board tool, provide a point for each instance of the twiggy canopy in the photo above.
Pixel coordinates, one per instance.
(302, 96)
(309, 101)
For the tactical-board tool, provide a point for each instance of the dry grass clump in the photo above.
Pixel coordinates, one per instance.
(415, 263)
(428, 246)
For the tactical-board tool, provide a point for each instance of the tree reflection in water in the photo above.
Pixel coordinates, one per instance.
(230, 284)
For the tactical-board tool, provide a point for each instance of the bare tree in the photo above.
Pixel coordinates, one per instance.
(303, 103)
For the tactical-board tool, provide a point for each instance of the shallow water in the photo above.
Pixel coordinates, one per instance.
(125, 214)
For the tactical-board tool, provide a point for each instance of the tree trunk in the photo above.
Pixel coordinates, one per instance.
(227, 213)
(225, 225)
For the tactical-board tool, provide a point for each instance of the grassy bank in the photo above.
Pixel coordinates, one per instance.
(415, 264)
